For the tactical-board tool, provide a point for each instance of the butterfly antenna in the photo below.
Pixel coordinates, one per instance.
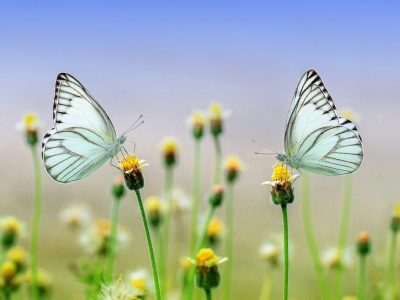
(135, 125)
(265, 148)
(263, 153)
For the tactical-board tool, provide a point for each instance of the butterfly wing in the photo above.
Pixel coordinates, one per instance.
(316, 136)
(82, 134)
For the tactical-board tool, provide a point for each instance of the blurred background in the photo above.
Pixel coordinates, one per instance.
(164, 59)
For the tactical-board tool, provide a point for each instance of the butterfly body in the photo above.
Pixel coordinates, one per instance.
(83, 137)
(317, 139)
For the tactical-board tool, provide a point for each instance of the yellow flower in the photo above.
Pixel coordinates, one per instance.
(169, 149)
(153, 208)
(8, 270)
(186, 263)
(18, 256)
(197, 122)
(207, 258)
(140, 280)
(331, 260)
(11, 229)
(350, 115)
(216, 116)
(282, 179)
(30, 124)
(44, 281)
(132, 167)
(233, 166)
(214, 230)
(119, 290)
(395, 222)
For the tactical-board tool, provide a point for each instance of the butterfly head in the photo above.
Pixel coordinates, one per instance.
(282, 157)
(121, 140)
(293, 162)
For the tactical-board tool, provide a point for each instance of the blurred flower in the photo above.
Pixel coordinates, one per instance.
(19, 257)
(395, 222)
(350, 115)
(140, 280)
(233, 166)
(216, 118)
(186, 263)
(363, 243)
(271, 253)
(282, 179)
(119, 290)
(207, 275)
(214, 231)
(180, 201)
(154, 210)
(96, 238)
(169, 150)
(118, 187)
(11, 229)
(76, 216)
(349, 298)
(331, 260)
(30, 125)
(132, 167)
(217, 195)
(44, 282)
(197, 122)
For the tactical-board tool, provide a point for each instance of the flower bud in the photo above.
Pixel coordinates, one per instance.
(214, 231)
(207, 275)
(363, 243)
(118, 188)
(217, 196)
(154, 210)
(169, 149)
(233, 166)
(395, 222)
(216, 119)
(30, 125)
(197, 122)
(131, 167)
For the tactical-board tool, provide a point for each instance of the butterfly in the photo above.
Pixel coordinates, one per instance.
(83, 137)
(317, 139)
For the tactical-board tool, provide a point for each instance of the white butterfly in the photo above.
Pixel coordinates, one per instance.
(83, 137)
(317, 139)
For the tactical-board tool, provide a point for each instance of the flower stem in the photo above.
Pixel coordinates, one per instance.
(362, 277)
(36, 223)
(266, 287)
(228, 242)
(392, 265)
(218, 160)
(149, 245)
(208, 294)
(195, 198)
(113, 238)
(311, 243)
(286, 252)
(343, 231)
(166, 228)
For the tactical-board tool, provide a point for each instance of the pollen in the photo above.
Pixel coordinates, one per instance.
(206, 258)
(281, 173)
(130, 164)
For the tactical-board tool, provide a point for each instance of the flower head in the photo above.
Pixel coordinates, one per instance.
(395, 222)
(118, 188)
(30, 125)
(11, 229)
(169, 149)
(44, 282)
(76, 217)
(216, 117)
(154, 210)
(132, 167)
(96, 238)
(141, 281)
(214, 231)
(207, 275)
(363, 243)
(197, 122)
(19, 257)
(119, 290)
(332, 259)
(233, 166)
(282, 189)
(217, 195)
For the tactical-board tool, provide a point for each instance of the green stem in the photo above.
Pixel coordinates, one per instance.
(208, 294)
(362, 277)
(149, 245)
(286, 248)
(392, 264)
(200, 244)
(113, 238)
(266, 287)
(228, 242)
(195, 197)
(36, 223)
(166, 228)
(218, 160)
(343, 232)
(310, 239)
